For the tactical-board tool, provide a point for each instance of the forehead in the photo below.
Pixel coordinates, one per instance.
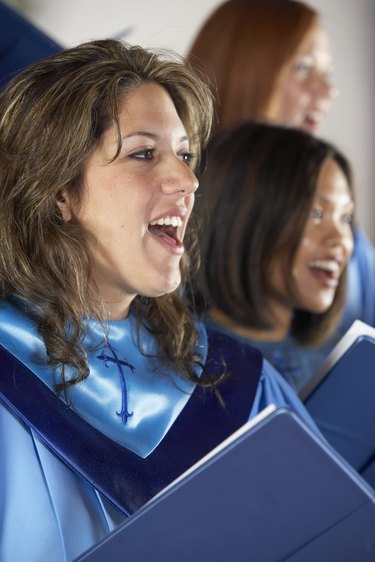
(316, 43)
(333, 186)
(146, 113)
(149, 103)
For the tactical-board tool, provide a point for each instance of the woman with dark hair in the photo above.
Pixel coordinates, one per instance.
(271, 61)
(277, 238)
(109, 386)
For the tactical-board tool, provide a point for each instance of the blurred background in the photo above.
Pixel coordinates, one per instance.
(350, 24)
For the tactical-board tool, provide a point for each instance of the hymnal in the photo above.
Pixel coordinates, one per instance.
(272, 492)
(341, 398)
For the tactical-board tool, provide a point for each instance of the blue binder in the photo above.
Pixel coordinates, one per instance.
(272, 492)
(341, 398)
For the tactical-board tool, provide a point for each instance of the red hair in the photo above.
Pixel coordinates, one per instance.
(242, 48)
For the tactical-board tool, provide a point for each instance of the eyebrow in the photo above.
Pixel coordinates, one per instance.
(150, 135)
(330, 199)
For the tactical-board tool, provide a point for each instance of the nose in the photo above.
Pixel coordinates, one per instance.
(178, 177)
(325, 89)
(339, 233)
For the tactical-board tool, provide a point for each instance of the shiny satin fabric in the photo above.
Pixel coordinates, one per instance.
(124, 478)
(119, 375)
(51, 513)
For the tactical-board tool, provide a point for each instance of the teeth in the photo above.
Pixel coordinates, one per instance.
(316, 116)
(327, 265)
(168, 221)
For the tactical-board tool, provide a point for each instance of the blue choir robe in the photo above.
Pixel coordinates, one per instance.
(48, 511)
(360, 300)
(21, 43)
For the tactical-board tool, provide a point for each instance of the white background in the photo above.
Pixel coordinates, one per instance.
(173, 24)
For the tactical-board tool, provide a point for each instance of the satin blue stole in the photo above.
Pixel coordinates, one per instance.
(129, 396)
(121, 475)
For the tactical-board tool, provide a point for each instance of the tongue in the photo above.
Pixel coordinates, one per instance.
(322, 271)
(163, 231)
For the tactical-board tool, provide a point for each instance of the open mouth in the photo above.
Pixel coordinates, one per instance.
(167, 229)
(314, 118)
(328, 270)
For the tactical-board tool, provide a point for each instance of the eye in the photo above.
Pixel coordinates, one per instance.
(145, 154)
(316, 215)
(303, 68)
(187, 158)
(347, 218)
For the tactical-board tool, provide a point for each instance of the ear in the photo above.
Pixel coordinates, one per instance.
(63, 203)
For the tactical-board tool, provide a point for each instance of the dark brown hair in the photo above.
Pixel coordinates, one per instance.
(243, 48)
(51, 116)
(257, 190)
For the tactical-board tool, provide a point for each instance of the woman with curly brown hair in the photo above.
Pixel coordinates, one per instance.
(102, 362)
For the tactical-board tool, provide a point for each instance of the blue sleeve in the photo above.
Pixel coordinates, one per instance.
(360, 300)
(274, 389)
(21, 43)
(56, 512)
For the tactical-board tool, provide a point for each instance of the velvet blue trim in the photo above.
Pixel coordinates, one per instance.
(127, 396)
(124, 478)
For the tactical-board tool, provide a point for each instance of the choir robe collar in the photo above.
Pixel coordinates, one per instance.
(127, 396)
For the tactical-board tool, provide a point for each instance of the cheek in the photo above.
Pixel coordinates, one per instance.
(306, 244)
(349, 245)
(305, 249)
(189, 202)
(294, 98)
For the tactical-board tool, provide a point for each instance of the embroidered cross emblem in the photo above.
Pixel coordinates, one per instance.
(107, 359)
(124, 414)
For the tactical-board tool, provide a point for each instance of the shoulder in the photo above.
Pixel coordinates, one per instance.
(237, 354)
(274, 389)
(363, 248)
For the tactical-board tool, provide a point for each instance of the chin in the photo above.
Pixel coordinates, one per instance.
(321, 308)
(319, 305)
(165, 288)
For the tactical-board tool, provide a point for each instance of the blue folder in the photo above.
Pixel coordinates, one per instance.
(21, 43)
(272, 492)
(341, 398)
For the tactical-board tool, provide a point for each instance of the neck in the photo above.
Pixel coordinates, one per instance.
(115, 308)
(278, 332)
(115, 302)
